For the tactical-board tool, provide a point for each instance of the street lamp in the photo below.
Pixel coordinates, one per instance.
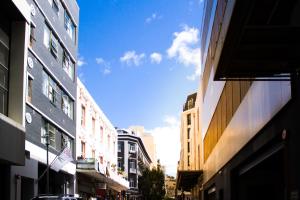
(47, 150)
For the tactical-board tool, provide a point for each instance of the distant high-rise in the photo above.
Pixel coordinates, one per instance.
(188, 171)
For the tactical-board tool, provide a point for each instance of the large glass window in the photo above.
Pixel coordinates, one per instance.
(131, 147)
(50, 88)
(50, 41)
(66, 141)
(119, 147)
(131, 183)
(48, 131)
(189, 120)
(69, 26)
(29, 88)
(67, 105)
(68, 65)
(4, 55)
(132, 165)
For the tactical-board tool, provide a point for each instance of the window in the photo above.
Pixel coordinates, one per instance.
(82, 116)
(189, 119)
(54, 5)
(29, 89)
(119, 147)
(32, 35)
(190, 103)
(108, 142)
(101, 134)
(188, 147)
(120, 164)
(188, 159)
(48, 132)
(4, 56)
(83, 149)
(188, 133)
(50, 41)
(68, 65)
(132, 165)
(131, 147)
(67, 105)
(93, 125)
(66, 141)
(114, 147)
(131, 183)
(69, 26)
(50, 88)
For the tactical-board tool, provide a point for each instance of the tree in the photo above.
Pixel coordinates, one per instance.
(152, 183)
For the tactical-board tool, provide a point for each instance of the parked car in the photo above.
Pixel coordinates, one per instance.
(56, 197)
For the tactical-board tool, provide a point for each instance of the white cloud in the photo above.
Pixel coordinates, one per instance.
(164, 135)
(185, 49)
(131, 58)
(106, 65)
(80, 61)
(106, 71)
(100, 60)
(156, 57)
(151, 18)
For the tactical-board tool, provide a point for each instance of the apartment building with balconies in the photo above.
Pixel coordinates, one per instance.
(250, 99)
(96, 150)
(132, 153)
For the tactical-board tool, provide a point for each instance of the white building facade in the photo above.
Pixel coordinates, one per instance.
(96, 147)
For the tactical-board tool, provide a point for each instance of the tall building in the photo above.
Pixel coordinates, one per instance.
(96, 151)
(131, 155)
(14, 38)
(188, 171)
(49, 115)
(148, 141)
(250, 96)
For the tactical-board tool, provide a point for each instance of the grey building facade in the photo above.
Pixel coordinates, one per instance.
(131, 153)
(50, 97)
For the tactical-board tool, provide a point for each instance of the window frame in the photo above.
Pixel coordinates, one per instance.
(52, 131)
(69, 26)
(83, 115)
(29, 88)
(67, 105)
(68, 65)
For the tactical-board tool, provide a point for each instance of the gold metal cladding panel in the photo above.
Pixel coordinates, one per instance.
(260, 104)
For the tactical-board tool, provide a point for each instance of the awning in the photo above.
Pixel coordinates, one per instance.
(95, 175)
(186, 180)
(94, 169)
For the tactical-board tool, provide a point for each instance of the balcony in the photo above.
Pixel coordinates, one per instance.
(254, 38)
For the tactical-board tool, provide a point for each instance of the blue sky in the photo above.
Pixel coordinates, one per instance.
(139, 59)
